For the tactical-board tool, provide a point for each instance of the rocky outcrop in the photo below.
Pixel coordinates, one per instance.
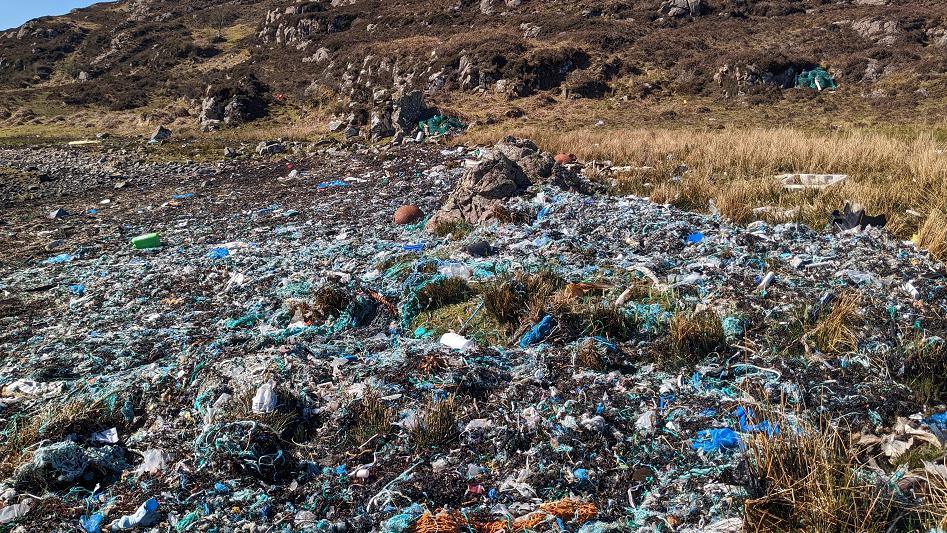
(481, 194)
(537, 165)
(502, 172)
(160, 134)
(407, 110)
(233, 104)
(380, 125)
(388, 116)
(300, 25)
(880, 31)
(683, 8)
(738, 77)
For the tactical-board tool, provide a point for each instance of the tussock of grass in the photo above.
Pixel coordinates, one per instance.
(593, 317)
(933, 235)
(592, 355)
(811, 481)
(464, 318)
(694, 336)
(505, 300)
(372, 417)
(437, 423)
(925, 367)
(447, 291)
(521, 298)
(580, 309)
(457, 229)
(328, 302)
(79, 417)
(279, 421)
(837, 332)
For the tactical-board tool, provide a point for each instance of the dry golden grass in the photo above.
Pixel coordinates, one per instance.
(837, 331)
(590, 354)
(694, 336)
(437, 423)
(372, 417)
(936, 502)
(52, 424)
(933, 234)
(811, 480)
(887, 174)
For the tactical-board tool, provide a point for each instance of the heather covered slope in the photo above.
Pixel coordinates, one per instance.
(144, 54)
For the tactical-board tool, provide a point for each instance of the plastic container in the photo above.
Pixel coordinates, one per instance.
(146, 241)
(455, 341)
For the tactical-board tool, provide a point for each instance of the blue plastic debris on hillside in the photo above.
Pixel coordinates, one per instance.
(218, 253)
(333, 183)
(58, 259)
(749, 425)
(538, 332)
(715, 440)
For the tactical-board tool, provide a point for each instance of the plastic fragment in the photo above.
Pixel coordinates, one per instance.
(14, 512)
(92, 523)
(146, 241)
(538, 332)
(146, 515)
(455, 341)
(264, 401)
(714, 440)
(333, 183)
(218, 253)
(58, 259)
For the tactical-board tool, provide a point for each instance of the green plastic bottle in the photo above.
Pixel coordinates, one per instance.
(146, 241)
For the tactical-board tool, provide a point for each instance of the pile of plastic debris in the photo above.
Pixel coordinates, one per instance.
(287, 356)
(817, 78)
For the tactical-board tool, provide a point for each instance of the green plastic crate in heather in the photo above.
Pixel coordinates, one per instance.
(148, 240)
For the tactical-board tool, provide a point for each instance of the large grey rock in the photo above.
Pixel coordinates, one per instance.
(407, 110)
(504, 171)
(482, 191)
(237, 111)
(380, 125)
(270, 148)
(537, 165)
(160, 134)
(211, 109)
(234, 103)
(683, 8)
(468, 75)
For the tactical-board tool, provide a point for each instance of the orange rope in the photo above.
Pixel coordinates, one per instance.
(453, 522)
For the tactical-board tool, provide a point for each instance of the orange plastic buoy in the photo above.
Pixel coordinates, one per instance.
(565, 159)
(407, 214)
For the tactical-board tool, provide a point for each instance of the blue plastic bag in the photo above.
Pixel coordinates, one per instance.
(746, 423)
(93, 523)
(333, 183)
(714, 440)
(538, 333)
(218, 253)
(57, 259)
